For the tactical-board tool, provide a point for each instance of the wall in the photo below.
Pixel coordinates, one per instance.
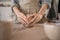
(5, 12)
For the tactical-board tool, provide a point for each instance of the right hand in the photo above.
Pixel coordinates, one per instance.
(29, 17)
(22, 18)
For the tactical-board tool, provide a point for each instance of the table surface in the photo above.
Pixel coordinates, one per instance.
(34, 33)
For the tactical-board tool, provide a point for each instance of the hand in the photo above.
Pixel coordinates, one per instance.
(22, 18)
(20, 15)
(29, 17)
(36, 19)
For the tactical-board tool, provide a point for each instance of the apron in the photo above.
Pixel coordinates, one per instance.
(30, 6)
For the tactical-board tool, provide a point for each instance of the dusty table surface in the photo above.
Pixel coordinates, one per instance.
(34, 33)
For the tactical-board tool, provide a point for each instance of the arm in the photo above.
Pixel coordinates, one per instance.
(40, 14)
(43, 9)
(46, 5)
(19, 14)
(15, 9)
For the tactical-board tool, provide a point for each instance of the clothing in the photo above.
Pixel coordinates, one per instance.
(53, 12)
(59, 7)
(55, 5)
(18, 3)
(30, 6)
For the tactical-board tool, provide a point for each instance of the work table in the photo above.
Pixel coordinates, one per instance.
(34, 33)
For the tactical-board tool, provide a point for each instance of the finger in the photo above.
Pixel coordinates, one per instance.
(33, 20)
(21, 15)
(31, 15)
(26, 21)
(23, 18)
(22, 21)
(29, 18)
(37, 20)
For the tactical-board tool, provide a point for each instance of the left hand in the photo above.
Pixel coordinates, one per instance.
(36, 19)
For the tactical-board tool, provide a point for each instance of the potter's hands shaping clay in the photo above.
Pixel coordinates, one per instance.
(22, 18)
(20, 15)
(35, 19)
(29, 17)
(32, 19)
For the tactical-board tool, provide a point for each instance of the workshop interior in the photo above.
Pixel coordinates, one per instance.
(12, 29)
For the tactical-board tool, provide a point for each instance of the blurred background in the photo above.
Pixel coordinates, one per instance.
(6, 25)
(6, 12)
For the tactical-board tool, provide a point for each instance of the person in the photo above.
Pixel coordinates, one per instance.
(53, 12)
(30, 11)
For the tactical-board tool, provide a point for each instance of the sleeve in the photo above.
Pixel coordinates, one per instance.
(48, 2)
(15, 3)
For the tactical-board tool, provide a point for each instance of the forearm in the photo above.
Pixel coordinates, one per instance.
(20, 15)
(17, 11)
(43, 9)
